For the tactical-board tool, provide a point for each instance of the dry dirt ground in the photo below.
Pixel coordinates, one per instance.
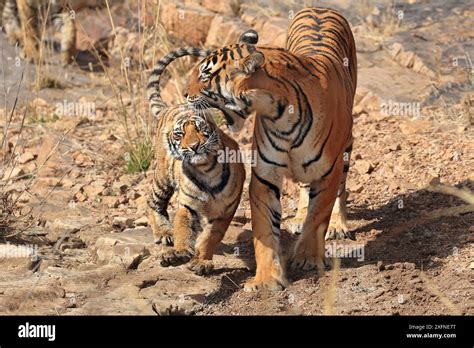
(412, 252)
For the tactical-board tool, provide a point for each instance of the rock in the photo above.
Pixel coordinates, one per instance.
(228, 7)
(378, 293)
(380, 266)
(82, 160)
(120, 186)
(26, 157)
(414, 126)
(363, 167)
(141, 203)
(224, 31)
(124, 300)
(142, 221)
(111, 201)
(13, 173)
(122, 222)
(177, 21)
(73, 222)
(94, 190)
(358, 188)
(128, 248)
(132, 195)
(179, 291)
(273, 32)
(80, 197)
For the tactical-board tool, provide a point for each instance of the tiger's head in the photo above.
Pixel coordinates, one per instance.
(219, 77)
(192, 135)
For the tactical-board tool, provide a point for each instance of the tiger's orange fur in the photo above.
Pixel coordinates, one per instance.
(303, 97)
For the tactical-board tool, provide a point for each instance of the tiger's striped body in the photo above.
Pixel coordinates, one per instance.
(303, 97)
(21, 20)
(208, 190)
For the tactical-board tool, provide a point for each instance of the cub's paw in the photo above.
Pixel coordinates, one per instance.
(175, 257)
(201, 267)
(165, 240)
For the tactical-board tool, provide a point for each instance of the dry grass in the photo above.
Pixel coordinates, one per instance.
(330, 294)
(380, 23)
(131, 86)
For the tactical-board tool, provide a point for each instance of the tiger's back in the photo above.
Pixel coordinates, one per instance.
(324, 35)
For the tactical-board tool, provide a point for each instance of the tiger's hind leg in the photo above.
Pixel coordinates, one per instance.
(30, 30)
(295, 224)
(11, 23)
(338, 226)
(158, 215)
(309, 250)
(68, 38)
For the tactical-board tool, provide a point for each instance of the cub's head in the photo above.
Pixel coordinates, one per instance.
(217, 79)
(191, 135)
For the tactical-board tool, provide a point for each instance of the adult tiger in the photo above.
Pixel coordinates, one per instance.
(21, 22)
(302, 96)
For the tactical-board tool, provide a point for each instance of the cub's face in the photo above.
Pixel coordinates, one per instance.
(193, 139)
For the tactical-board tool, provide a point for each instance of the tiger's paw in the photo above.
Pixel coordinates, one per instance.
(201, 267)
(308, 263)
(338, 230)
(271, 284)
(175, 257)
(165, 240)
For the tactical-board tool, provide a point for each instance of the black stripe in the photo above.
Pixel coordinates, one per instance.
(313, 193)
(189, 172)
(266, 159)
(330, 169)
(191, 210)
(320, 153)
(271, 186)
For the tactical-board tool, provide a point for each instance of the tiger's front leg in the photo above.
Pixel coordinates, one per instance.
(185, 227)
(265, 207)
(68, 41)
(310, 250)
(206, 245)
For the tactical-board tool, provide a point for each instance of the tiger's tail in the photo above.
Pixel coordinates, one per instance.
(154, 97)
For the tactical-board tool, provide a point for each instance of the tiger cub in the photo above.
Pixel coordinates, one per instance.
(21, 21)
(188, 146)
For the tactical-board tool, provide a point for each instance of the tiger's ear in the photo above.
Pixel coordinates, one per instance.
(252, 62)
(249, 37)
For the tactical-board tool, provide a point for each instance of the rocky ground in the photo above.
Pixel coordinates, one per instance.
(87, 227)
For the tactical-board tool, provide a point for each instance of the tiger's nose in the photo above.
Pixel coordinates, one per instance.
(194, 146)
